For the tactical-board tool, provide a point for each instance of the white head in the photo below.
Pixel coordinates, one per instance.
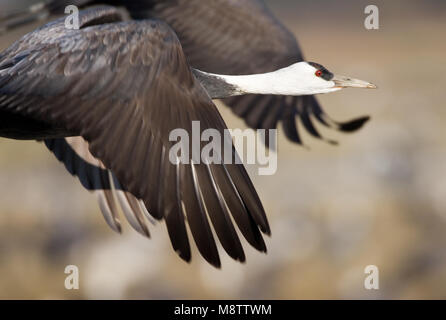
(307, 78)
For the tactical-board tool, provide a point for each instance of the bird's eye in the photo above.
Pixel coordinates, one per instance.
(318, 73)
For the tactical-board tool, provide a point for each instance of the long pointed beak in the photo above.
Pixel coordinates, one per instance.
(347, 82)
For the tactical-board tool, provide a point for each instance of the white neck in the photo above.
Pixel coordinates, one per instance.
(297, 79)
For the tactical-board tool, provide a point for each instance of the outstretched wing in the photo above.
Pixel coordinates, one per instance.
(124, 87)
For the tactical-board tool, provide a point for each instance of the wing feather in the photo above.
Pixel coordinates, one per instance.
(153, 92)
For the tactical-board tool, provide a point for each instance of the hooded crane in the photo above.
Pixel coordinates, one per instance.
(105, 97)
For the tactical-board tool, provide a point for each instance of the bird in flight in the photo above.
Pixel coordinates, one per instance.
(104, 98)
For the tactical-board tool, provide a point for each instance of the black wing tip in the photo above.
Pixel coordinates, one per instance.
(264, 225)
(354, 125)
(260, 245)
(237, 255)
(213, 260)
(216, 265)
(262, 219)
(266, 231)
(241, 259)
(186, 256)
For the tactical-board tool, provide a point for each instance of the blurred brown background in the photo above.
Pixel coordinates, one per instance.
(378, 198)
